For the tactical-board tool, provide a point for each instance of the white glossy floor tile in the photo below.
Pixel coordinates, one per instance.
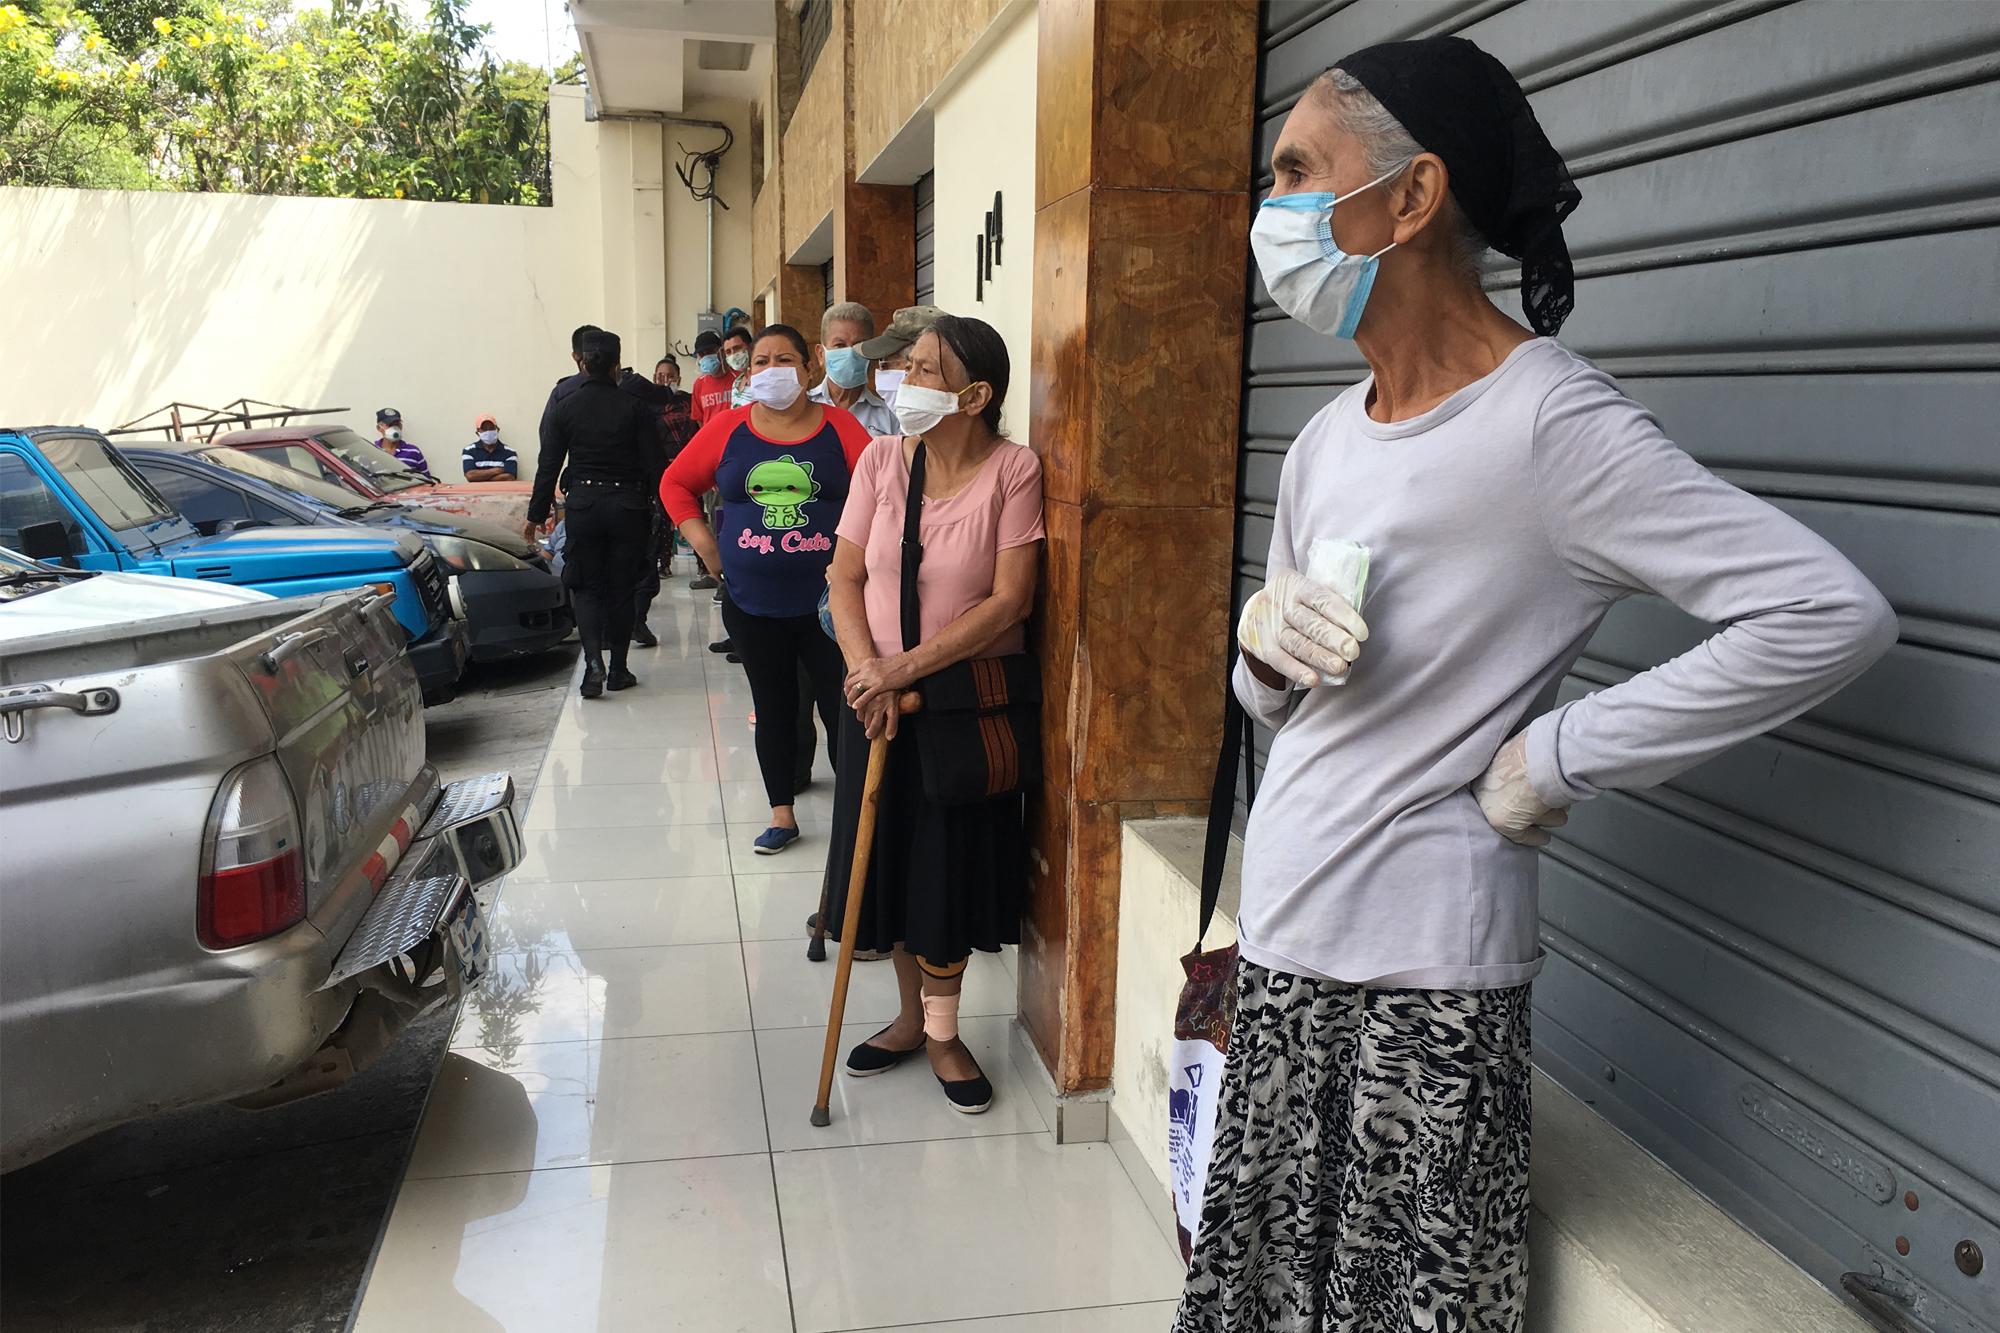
(902, 1106)
(686, 1247)
(578, 1103)
(1019, 1225)
(590, 768)
(748, 804)
(614, 913)
(583, 995)
(775, 906)
(632, 806)
(666, 851)
(676, 727)
(786, 991)
(1155, 1317)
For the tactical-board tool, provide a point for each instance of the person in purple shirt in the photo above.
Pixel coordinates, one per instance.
(389, 429)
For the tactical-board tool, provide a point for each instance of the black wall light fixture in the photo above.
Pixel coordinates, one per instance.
(986, 251)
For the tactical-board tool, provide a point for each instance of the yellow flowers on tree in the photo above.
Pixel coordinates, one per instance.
(357, 99)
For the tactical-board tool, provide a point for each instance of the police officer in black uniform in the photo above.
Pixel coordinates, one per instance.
(605, 446)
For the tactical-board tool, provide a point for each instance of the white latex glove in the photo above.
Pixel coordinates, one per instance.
(1303, 631)
(1509, 802)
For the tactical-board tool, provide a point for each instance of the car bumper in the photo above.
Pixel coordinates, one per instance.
(439, 659)
(511, 612)
(284, 1017)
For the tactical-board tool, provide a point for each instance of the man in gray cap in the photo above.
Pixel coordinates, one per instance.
(890, 348)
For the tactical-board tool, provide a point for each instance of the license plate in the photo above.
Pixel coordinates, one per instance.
(465, 942)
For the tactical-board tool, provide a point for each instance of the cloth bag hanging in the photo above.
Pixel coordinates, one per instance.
(1207, 1009)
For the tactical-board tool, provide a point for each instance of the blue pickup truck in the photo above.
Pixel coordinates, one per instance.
(67, 497)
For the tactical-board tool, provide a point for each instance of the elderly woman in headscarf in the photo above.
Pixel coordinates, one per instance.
(1488, 494)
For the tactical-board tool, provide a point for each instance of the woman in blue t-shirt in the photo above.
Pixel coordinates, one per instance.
(781, 466)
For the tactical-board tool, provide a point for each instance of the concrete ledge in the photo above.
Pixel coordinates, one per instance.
(1617, 1242)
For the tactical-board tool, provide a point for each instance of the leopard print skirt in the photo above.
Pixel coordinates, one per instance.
(1370, 1170)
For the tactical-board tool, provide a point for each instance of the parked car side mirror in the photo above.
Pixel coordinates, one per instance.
(48, 542)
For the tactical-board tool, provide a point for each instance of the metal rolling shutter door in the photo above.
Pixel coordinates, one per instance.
(926, 226)
(1781, 972)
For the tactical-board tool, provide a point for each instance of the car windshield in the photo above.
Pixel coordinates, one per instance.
(302, 484)
(106, 482)
(370, 461)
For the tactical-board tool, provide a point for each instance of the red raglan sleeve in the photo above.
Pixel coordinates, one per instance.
(692, 473)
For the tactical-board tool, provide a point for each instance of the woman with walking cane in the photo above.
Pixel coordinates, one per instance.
(1489, 495)
(937, 605)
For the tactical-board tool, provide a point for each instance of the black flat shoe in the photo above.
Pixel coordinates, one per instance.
(644, 637)
(593, 682)
(968, 1096)
(723, 646)
(620, 679)
(866, 1061)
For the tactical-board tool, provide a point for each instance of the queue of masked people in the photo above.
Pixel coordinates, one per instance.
(877, 537)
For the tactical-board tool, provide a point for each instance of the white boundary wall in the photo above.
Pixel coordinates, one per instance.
(117, 302)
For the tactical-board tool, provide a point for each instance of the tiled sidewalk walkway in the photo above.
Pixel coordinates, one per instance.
(619, 1138)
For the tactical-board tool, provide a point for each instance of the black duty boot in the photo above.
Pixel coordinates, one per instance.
(643, 636)
(593, 680)
(620, 679)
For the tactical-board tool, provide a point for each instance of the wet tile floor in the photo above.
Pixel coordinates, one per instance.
(619, 1137)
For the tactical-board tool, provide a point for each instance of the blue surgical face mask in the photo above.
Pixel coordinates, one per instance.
(711, 364)
(846, 367)
(1310, 277)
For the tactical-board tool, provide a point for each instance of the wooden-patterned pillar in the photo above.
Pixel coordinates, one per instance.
(1144, 116)
(801, 298)
(875, 246)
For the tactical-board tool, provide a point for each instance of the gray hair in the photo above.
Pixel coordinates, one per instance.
(1387, 146)
(851, 312)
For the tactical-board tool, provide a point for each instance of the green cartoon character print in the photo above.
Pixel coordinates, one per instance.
(783, 487)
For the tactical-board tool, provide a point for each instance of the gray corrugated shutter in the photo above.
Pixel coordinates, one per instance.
(926, 226)
(1781, 972)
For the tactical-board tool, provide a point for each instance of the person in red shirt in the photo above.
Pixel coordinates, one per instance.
(781, 466)
(720, 362)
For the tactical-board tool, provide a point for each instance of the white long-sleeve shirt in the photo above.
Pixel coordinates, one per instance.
(1503, 523)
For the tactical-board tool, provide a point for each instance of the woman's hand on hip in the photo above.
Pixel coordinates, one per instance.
(1509, 801)
(877, 677)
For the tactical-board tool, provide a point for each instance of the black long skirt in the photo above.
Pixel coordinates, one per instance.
(943, 880)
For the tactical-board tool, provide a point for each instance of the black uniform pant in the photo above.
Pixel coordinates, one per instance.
(780, 655)
(604, 556)
(659, 544)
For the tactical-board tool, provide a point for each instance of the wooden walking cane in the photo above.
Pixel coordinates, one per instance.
(857, 883)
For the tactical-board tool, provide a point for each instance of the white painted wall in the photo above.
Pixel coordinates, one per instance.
(118, 302)
(985, 141)
(687, 227)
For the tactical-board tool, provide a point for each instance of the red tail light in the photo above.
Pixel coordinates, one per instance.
(252, 875)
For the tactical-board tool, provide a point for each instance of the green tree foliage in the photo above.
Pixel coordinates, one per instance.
(251, 97)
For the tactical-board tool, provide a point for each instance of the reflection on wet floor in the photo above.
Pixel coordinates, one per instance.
(619, 1137)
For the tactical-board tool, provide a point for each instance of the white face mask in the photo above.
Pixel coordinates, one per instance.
(919, 409)
(489, 437)
(887, 382)
(776, 387)
(392, 433)
(1310, 277)
(739, 361)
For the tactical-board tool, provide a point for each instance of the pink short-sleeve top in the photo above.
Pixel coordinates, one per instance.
(962, 536)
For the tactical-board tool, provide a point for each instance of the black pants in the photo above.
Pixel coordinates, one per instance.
(774, 649)
(659, 542)
(604, 556)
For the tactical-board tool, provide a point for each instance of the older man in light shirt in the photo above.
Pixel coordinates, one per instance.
(847, 381)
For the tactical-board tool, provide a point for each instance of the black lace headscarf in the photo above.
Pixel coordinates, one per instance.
(1462, 104)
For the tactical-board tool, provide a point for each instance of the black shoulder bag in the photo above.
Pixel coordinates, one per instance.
(979, 734)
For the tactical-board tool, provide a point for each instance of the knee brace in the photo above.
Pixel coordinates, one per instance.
(942, 971)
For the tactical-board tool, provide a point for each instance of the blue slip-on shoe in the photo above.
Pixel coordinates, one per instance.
(774, 840)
